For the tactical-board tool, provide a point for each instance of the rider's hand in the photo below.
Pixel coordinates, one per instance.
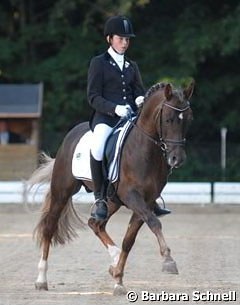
(122, 110)
(139, 101)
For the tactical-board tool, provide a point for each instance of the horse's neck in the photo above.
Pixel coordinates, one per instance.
(149, 116)
(146, 157)
(148, 125)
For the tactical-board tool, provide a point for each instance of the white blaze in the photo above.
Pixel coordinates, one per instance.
(180, 116)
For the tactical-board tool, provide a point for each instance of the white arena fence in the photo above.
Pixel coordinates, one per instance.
(174, 192)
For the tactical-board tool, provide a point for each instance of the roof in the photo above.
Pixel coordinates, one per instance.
(21, 100)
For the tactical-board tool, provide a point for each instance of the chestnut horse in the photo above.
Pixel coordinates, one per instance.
(153, 147)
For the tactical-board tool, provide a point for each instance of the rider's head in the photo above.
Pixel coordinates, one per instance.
(118, 30)
(118, 25)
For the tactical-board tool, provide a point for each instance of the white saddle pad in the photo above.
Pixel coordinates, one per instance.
(81, 156)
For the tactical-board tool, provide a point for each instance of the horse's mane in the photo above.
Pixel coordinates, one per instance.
(161, 85)
(153, 89)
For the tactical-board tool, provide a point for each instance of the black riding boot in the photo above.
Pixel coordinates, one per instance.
(99, 210)
(158, 211)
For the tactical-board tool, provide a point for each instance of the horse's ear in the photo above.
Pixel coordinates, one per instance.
(168, 91)
(189, 90)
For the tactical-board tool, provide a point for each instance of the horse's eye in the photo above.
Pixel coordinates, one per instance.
(169, 120)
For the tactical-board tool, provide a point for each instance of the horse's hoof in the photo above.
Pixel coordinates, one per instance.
(41, 286)
(119, 290)
(169, 266)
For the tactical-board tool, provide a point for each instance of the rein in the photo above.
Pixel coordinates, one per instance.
(162, 143)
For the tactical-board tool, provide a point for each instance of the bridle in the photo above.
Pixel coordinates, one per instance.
(180, 110)
(163, 143)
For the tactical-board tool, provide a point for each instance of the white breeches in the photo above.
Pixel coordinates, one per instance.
(100, 134)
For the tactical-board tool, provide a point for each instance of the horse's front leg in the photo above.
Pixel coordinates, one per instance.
(139, 206)
(117, 271)
(169, 265)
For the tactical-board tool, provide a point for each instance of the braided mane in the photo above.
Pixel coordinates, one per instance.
(153, 89)
(161, 85)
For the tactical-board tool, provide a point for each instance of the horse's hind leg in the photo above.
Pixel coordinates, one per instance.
(117, 271)
(46, 231)
(44, 239)
(99, 228)
(41, 282)
(54, 227)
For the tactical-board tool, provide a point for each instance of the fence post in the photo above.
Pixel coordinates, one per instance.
(212, 192)
(24, 194)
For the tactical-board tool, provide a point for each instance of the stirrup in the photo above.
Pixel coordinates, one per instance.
(99, 210)
(158, 211)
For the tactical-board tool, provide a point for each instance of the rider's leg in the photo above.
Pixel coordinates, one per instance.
(100, 134)
(99, 210)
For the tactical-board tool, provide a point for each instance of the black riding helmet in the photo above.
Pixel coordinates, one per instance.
(118, 25)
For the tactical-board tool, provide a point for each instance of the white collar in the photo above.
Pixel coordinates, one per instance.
(118, 58)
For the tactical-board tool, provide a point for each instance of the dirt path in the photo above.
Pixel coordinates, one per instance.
(205, 242)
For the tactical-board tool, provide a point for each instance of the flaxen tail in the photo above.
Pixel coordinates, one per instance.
(43, 174)
(58, 223)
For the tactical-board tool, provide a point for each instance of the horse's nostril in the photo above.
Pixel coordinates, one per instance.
(172, 161)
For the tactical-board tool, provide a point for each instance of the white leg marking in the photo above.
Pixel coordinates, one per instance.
(42, 271)
(114, 252)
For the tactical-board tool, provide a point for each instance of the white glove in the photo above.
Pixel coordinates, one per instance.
(122, 110)
(139, 101)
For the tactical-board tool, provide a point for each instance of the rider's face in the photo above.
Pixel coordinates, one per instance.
(119, 43)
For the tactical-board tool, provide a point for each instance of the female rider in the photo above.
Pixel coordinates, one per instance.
(114, 87)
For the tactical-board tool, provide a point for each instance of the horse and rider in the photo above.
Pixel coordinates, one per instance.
(154, 146)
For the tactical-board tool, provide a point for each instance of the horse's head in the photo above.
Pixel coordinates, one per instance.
(166, 116)
(174, 118)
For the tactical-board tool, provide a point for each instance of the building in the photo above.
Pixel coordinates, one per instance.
(20, 114)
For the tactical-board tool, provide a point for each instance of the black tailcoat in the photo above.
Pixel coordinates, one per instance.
(108, 86)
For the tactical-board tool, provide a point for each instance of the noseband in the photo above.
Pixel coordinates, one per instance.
(162, 143)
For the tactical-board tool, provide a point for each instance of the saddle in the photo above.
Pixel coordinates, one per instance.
(112, 153)
(113, 149)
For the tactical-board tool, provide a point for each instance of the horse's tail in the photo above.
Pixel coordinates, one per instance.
(43, 174)
(57, 223)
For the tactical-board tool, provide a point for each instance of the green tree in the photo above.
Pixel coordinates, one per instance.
(52, 41)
